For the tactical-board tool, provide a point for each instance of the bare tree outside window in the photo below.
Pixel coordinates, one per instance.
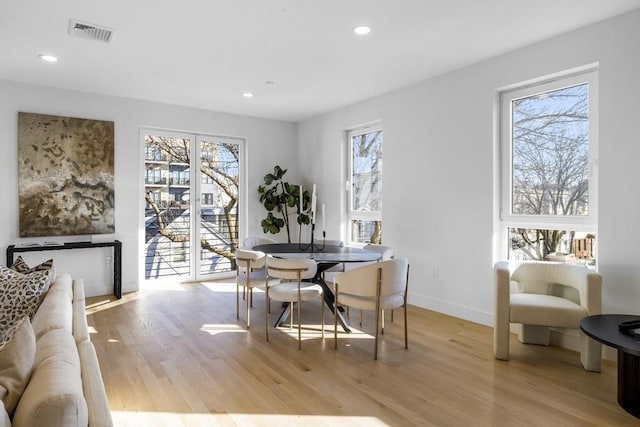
(550, 165)
(366, 195)
(167, 197)
(551, 153)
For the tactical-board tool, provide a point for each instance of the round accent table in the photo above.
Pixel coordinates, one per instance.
(604, 328)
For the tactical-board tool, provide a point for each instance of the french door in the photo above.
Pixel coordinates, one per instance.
(191, 192)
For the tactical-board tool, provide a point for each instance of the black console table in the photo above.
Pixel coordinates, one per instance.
(117, 256)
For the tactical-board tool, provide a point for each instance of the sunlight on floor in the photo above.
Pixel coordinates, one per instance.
(148, 419)
(220, 328)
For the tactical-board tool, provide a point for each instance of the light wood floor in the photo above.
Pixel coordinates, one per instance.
(178, 357)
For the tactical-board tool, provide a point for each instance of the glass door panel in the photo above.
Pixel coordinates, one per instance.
(167, 206)
(218, 204)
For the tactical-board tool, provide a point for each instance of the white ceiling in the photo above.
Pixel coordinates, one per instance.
(205, 54)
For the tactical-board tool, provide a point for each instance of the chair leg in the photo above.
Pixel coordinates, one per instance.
(335, 318)
(378, 310)
(249, 309)
(299, 326)
(237, 301)
(406, 329)
(382, 320)
(266, 312)
(590, 354)
(322, 311)
(375, 348)
(534, 334)
(291, 318)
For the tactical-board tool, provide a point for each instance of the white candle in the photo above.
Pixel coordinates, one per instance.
(324, 222)
(301, 206)
(313, 204)
(313, 209)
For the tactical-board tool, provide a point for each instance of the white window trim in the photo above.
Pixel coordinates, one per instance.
(577, 223)
(351, 214)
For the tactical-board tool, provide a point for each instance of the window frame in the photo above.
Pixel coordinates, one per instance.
(351, 213)
(507, 219)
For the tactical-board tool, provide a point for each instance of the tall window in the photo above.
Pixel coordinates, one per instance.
(365, 195)
(549, 185)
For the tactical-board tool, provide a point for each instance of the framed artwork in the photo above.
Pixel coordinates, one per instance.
(65, 176)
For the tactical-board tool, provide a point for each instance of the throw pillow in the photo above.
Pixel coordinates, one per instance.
(19, 297)
(21, 266)
(16, 363)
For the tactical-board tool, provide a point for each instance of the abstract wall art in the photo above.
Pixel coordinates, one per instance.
(65, 176)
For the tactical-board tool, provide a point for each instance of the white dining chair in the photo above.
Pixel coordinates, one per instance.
(253, 241)
(375, 287)
(292, 289)
(386, 253)
(250, 274)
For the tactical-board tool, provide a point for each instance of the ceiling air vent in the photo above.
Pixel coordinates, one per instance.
(89, 31)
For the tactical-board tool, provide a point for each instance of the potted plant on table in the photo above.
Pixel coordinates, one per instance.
(282, 200)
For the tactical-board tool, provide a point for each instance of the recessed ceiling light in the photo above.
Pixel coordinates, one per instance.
(48, 58)
(269, 83)
(247, 95)
(362, 30)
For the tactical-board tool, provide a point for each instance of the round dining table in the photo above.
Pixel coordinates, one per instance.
(326, 256)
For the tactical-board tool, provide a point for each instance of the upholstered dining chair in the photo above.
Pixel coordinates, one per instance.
(544, 294)
(330, 242)
(253, 241)
(374, 287)
(293, 290)
(250, 274)
(386, 253)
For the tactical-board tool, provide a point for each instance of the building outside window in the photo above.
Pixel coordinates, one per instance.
(548, 172)
(365, 187)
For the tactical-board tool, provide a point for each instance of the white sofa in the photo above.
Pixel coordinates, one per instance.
(65, 386)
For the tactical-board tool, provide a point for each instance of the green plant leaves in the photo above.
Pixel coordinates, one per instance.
(282, 198)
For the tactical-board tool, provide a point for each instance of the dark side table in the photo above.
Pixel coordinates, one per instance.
(604, 328)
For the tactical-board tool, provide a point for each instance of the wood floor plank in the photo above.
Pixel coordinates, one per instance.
(179, 357)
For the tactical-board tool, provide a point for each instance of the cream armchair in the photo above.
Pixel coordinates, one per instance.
(539, 295)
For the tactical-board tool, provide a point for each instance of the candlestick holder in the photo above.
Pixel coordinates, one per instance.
(312, 244)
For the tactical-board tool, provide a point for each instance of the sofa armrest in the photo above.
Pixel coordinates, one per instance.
(502, 290)
(94, 391)
(589, 286)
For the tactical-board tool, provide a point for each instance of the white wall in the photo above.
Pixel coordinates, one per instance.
(268, 142)
(439, 145)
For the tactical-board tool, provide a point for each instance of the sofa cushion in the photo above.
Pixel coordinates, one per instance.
(54, 313)
(545, 310)
(16, 364)
(63, 283)
(54, 395)
(99, 412)
(19, 297)
(4, 417)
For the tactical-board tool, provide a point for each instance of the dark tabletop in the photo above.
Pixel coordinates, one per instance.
(604, 328)
(332, 254)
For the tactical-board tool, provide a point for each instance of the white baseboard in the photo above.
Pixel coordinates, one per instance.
(454, 310)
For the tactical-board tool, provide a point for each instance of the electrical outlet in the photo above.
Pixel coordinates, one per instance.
(109, 260)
